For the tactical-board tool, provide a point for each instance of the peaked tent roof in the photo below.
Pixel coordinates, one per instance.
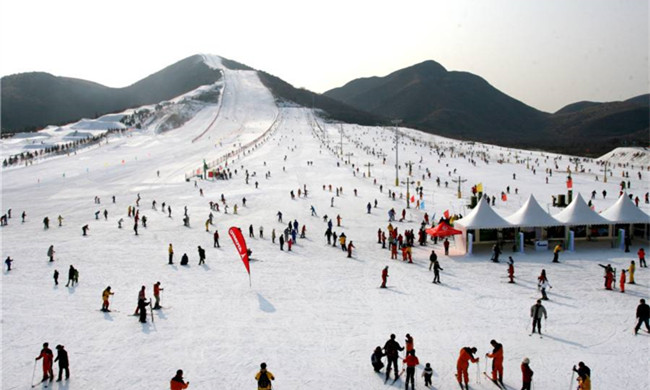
(483, 217)
(442, 230)
(624, 211)
(578, 213)
(531, 214)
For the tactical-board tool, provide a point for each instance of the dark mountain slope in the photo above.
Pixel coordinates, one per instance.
(464, 106)
(33, 100)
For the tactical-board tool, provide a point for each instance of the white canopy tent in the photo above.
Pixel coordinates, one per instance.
(482, 217)
(531, 214)
(624, 211)
(579, 213)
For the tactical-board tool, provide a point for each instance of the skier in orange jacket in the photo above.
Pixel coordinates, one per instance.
(177, 382)
(466, 355)
(622, 281)
(497, 361)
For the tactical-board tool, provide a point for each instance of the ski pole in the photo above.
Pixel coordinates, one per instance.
(572, 375)
(33, 373)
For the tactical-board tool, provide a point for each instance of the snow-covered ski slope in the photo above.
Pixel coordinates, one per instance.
(312, 314)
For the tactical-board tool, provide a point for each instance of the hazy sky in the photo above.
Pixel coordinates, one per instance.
(546, 53)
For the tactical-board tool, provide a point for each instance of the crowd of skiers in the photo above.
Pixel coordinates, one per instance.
(466, 356)
(396, 241)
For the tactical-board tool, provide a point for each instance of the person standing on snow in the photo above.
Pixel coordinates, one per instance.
(622, 280)
(177, 382)
(436, 271)
(170, 250)
(142, 307)
(350, 246)
(62, 358)
(537, 311)
(56, 277)
(408, 343)
(427, 373)
(50, 253)
(631, 272)
(511, 269)
(264, 378)
(543, 286)
(556, 253)
(584, 376)
(641, 254)
(201, 255)
(391, 349)
(384, 277)
(328, 234)
(375, 359)
(432, 258)
(141, 297)
(156, 295)
(609, 276)
(541, 279)
(47, 356)
(105, 295)
(643, 314)
(342, 239)
(496, 251)
(8, 261)
(526, 374)
(411, 362)
(71, 273)
(215, 239)
(466, 355)
(497, 361)
(446, 245)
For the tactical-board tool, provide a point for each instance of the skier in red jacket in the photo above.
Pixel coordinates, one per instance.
(497, 361)
(384, 277)
(47, 356)
(641, 254)
(511, 270)
(466, 355)
(526, 374)
(411, 362)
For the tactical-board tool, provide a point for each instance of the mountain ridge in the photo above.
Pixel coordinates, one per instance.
(465, 106)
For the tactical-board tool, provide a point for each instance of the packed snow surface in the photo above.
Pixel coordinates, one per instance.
(312, 314)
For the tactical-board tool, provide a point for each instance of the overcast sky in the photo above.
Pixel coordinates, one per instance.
(546, 53)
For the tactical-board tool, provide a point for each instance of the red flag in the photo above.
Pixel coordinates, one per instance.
(446, 214)
(240, 244)
(412, 198)
(569, 183)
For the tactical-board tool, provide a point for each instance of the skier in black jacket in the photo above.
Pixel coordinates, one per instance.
(62, 358)
(375, 358)
(436, 271)
(643, 314)
(582, 370)
(391, 349)
(433, 257)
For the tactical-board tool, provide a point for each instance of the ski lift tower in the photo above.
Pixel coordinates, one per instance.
(396, 122)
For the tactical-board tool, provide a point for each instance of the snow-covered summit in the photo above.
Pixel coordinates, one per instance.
(212, 60)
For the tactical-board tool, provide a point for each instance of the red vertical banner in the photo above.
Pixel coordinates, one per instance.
(569, 183)
(238, 239)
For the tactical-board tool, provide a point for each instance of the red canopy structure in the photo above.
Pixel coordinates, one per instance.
(442, 230)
